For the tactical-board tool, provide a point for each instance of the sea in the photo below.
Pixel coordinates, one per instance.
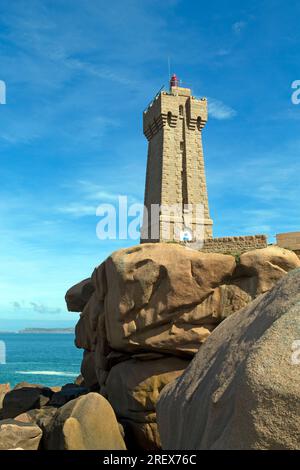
(40, 358)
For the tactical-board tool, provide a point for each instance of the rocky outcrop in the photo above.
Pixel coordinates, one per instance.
(68, 392)
(146, 311)
(71, 419)
(41, 417)
(165, 297)
(242, 389)
(133, 387)
(261, 269)
(166, 300)
(86, 423)
(78, 296)
(24, 397)
(4, 389)
(86, 328)
(154, 297)
(88, 370)
(18, 435)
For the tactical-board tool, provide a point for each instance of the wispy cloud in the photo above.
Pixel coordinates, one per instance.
(223, 52)
(88, 196)
(35, 307)
(97, 192)
(89, 192)
(77, 210)
(238, 26)
(104, 72)
(16, 305)
(42, 308)
(219, 110)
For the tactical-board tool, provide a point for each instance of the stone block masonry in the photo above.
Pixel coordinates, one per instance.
(234, 245)
(290, 241)
(175, 175)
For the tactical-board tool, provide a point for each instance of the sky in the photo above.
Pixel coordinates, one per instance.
(79, 74)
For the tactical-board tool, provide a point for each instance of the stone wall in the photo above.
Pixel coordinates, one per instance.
(290, 241)
(235, 245)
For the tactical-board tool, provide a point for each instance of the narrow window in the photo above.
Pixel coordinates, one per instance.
(181, 110)
(181, 145)
(169, 118)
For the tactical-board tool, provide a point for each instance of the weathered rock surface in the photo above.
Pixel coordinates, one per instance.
(86, 423)
(79, 380)
(24, 397)
(133, 387)
(42, 418)
(261, 269)
(67, 393)
(88, 370)
(15, 434)
(78, 296)
(86, 328)
(141, 436)
(4, 389)
(167, 297)
(165, 300)
(154, 296)
(242, 389)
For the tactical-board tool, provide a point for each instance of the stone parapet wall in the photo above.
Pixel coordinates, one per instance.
(289, 240)
(235, 245)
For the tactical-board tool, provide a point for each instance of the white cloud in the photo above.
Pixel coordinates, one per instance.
(222, 52)
(92, 191)
(42, 308)
(103, 193)
(77, 210)
(103, 72)
(89, 195)
(238, 26)
(89, 192)
(219, 110)
(38, 307)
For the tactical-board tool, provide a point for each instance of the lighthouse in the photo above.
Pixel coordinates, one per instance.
(176, 200)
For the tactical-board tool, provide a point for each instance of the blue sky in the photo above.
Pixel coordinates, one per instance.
(79, 74)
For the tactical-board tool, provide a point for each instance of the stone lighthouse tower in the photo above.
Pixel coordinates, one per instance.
(176, 202)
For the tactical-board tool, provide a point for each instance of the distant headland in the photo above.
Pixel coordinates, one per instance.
(47, 330)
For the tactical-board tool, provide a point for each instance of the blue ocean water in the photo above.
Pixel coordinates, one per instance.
(49, 359)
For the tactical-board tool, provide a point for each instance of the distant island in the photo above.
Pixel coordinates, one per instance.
(47, 330)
